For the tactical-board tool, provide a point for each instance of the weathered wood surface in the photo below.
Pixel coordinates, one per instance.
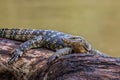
(32, 66)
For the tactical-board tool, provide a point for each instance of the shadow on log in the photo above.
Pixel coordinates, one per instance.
(32, 66)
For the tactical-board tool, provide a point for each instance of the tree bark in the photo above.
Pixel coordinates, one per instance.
(32, 65)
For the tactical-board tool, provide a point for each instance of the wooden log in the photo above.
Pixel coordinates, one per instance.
(25, 66)
(32, 66)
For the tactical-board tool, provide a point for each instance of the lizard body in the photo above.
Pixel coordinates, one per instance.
(59, 42)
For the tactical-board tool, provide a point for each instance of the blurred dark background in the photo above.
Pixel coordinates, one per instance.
(96, 20)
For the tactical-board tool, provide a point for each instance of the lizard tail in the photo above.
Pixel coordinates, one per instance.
(16, 34)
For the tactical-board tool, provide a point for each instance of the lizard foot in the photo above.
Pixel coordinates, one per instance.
(14, 58)
(51, 58)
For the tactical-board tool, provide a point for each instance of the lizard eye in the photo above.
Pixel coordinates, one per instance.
(75, 37)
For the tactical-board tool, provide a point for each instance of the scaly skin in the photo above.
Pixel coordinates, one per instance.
(59, 42)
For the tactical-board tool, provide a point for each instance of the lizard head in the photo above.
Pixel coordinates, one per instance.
(78, 43)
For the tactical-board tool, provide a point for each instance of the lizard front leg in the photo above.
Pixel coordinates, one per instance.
(59, 53)
(33, 43)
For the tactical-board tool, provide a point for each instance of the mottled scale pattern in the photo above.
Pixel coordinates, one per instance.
(52, 38)
(44, 38)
